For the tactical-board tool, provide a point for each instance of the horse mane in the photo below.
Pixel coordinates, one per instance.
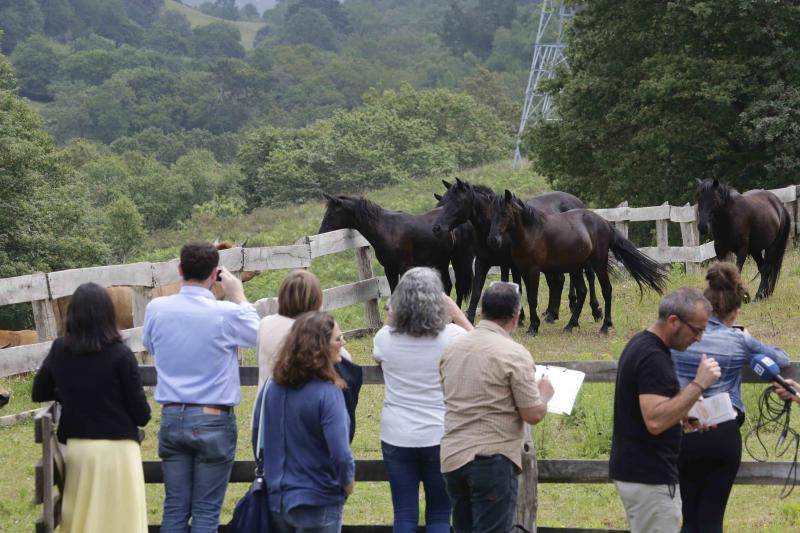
(366, 212)
(482, 189)
(530, 215)
(724, 190)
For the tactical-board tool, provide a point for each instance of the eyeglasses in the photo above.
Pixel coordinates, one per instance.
(339, 339)
(698, 332)
(510, 283)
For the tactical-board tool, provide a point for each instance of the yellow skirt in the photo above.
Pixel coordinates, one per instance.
(104, 487)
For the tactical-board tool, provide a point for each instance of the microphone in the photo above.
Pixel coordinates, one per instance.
(768, 370)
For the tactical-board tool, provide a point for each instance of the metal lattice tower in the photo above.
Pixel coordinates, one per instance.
(548, 53)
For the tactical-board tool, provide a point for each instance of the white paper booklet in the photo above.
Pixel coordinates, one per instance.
(566, 384)
(713, 410)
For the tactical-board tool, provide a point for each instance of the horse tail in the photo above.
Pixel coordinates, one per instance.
(773, 256)
(642, 268)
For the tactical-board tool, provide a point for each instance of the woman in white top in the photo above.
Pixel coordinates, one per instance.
(300, 292)
(408, 349)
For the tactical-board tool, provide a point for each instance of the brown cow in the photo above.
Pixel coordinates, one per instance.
(122, 297)
(9, 339)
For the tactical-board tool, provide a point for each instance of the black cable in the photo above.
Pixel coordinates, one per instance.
(774, 414)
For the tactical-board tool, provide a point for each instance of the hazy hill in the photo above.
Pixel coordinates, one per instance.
(262, 5)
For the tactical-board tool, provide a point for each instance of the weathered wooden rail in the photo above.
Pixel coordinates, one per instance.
(49, 470)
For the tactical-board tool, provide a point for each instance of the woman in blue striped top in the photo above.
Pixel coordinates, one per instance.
(709, 460)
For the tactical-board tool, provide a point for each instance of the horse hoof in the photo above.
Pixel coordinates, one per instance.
(568, 329)
(550, 319)
(603, 330)
(597, 315)
(531, 333)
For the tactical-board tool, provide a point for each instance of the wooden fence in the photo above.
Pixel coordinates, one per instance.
(49, 470)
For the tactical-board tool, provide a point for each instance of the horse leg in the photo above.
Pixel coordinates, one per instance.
(392, 276)
(597, 313)
(518, 280)
(580, 297)
(504, 273)
(532, 285)
(605, 288)
(555, 283)
(572, 295)
(481, 270)
(763, 270)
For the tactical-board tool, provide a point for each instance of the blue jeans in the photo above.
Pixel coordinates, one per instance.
(406, 468)
(197, 452)
(484, 495)
(308, 519)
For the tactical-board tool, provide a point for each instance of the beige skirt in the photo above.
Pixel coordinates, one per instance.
(104, 487)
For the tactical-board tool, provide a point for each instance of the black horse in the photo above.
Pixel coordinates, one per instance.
(567, 242)
(754, 223)
(402, 241)
(471, 202)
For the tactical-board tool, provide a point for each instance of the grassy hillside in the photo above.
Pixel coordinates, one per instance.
(197, 18)
(585, 434)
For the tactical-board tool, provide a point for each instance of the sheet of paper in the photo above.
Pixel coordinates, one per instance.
(566, 384)
(713, 410)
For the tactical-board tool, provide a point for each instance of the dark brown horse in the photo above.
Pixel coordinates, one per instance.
(755, 223)
(402, 240)
(471, 202)
(567, 243)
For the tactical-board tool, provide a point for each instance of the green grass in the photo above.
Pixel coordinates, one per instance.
(585, 434)
(198, 18)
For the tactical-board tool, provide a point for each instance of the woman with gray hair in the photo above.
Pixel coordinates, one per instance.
(422, 321)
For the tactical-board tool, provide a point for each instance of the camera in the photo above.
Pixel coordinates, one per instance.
(219, 275)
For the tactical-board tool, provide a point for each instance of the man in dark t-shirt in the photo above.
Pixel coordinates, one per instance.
(649, 408)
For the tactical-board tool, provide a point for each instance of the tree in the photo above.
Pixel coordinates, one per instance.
(143, 12)
(661, 93)
(171, 34)
(59, 17)
(123, 229)
(45, 221)
(330, 9)
(249, 12)
(310, 26)
(36, 62)
(18, 20)
(218, 39)
(471, 28)
(224, 9)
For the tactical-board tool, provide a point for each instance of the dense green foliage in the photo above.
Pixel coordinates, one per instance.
(395, 135)
(45, 220)
(659, 93)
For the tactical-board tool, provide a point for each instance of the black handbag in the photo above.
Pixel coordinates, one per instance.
(251, 514)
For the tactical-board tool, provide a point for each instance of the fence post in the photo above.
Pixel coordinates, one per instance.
(622, 225)
(662, 231)
(527, 500)
(48, 474)
(690, 236)
(141, 297)
(364, 265)
(44, 315)
(796, 216)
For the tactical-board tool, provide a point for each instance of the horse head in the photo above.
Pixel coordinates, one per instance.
(339, 213)
(505, 209)
(456, 206)
(710, 195)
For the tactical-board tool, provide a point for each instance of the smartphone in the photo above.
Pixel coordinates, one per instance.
(219, 275)
(737, 326)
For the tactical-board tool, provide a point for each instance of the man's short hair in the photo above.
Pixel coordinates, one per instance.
(198, 260)
(501, 301)
(682, 303)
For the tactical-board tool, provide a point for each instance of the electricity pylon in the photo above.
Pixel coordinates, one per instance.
(548, 53)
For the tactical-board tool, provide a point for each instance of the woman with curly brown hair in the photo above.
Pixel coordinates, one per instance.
(309, 465)
(709, 460)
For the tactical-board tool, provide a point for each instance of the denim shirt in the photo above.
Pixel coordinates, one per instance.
(733, 349)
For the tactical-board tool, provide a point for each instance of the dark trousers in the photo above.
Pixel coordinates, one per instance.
(407, 468)
(708, 464)
(484, 495)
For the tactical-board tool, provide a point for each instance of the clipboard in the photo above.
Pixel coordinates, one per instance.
(566, 385)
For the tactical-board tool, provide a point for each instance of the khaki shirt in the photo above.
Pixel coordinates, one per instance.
(486, 377)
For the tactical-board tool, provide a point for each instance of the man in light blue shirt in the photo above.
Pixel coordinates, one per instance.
(195, 339)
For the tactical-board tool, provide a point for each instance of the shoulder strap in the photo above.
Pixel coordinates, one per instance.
(260, 427)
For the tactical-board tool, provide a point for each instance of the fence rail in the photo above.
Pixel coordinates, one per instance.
(49, 471)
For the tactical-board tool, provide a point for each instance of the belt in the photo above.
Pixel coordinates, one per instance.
(225, 408)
